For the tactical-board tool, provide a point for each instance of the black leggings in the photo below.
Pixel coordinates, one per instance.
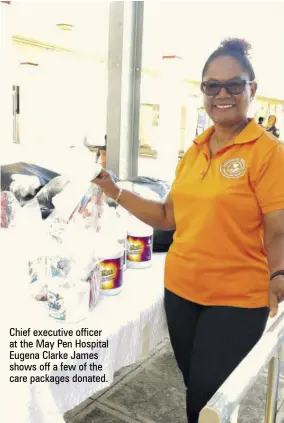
(209, 343)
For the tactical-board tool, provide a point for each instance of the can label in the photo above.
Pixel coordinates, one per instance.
(112, 273)
(35, 268)
(56, 305)
(60, 267)
(139, 248)
(37, 273)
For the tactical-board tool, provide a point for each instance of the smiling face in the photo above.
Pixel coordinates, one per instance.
(224, 108)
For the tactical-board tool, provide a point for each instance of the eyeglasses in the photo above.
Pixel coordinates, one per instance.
(233, 87)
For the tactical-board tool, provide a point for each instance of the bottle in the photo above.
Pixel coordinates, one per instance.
(111, 267)
(113, 226)
(68, 300)
(122, 239)
(139, 244)
(121, 230)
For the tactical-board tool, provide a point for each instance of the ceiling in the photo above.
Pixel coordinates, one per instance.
(189, 29)
(193, 30)
(38, 20)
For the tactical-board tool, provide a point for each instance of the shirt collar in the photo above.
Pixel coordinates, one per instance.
(250, 133)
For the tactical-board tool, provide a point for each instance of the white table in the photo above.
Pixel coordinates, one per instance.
(133, 322)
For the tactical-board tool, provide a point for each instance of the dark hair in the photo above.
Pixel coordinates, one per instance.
(260, 119)
(238, 49)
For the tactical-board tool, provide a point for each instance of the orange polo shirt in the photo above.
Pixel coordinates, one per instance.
(218, 256)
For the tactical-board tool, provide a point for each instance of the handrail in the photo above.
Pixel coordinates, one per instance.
(223, 403)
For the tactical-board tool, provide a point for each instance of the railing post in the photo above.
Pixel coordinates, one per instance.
(272, 389)
(270, 349)
(234, 416)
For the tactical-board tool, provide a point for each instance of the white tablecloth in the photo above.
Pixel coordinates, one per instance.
(133, 322)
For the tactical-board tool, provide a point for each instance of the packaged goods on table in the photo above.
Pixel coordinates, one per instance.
(74, 282)
(139, 244)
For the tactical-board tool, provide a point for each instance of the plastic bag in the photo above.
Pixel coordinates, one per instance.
(38, 269)
(64, 192)
(162, 240)
(30, 240)
(24, 185)
(10, 207)
(76, 163)
(37, 245)
(66, 263)
(46, 194)
(139, 189)
(88, 209)
(161, 188)
(54, 187)
(74, 274)
(30, 216)
(24, 218)
(21, 168)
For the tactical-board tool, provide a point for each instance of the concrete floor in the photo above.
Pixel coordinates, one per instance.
(152, 392)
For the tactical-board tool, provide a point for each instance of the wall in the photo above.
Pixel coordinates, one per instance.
(6, 127)
(63, 100)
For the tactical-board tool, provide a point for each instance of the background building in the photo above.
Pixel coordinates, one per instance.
(65, 61)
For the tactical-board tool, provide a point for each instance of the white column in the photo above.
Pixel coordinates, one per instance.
(170, 117)
(124, 76)
(6, 83)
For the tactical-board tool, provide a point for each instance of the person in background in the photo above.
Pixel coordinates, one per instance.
(271, 126)
(225, 267)
(260, 121)
(101, 153)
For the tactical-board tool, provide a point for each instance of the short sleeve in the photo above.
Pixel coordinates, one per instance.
(177, 173)
(270, 181)
(183, 162)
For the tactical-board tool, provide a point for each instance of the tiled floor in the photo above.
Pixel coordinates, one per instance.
(152, 392)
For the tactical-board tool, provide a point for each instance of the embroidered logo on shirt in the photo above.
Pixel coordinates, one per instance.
(233, 168)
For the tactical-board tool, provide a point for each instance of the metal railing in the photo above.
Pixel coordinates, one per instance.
(268, 351)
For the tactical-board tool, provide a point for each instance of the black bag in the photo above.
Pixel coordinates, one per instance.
(44, 176)
(20, 168)
(162, 239)
(159, 187)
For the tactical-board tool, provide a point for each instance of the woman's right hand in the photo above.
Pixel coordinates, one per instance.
(107, 185)
(154, 213)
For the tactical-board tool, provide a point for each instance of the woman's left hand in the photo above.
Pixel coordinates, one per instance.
(276, 294)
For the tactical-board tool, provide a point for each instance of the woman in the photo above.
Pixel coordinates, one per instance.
(225, 267)
(271, 126)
